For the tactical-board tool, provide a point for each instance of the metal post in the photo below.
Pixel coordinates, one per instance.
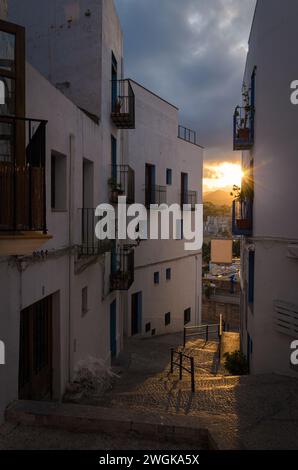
(192, 369)
(43, 164)
(184, 337)
(207, 333)
(172, 357)
(14, 221)
(30, 178)
(180, 365)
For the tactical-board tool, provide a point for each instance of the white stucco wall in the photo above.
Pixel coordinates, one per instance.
(275, 168)
(72, 133)
(155, 141)
(60, 39)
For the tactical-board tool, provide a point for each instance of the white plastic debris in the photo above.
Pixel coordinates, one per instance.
(92, 377)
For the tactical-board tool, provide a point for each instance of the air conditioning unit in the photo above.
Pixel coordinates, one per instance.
(286, 318)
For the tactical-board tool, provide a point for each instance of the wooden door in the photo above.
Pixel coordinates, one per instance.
(35, 360)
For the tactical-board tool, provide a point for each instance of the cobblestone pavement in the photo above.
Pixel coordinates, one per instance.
(260, 411)
(31, 438)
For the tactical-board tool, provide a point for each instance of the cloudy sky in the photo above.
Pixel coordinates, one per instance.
(192, 53)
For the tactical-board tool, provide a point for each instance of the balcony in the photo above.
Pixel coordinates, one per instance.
(189, 197)
(243, 128)
(242, 217)
(187, 134)
(122, 183)
(122, 269)
(90, 244)
(23, 226)
(155, 194)
(123, 104)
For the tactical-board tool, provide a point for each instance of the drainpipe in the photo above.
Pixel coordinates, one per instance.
(197, 288)
(70, 245)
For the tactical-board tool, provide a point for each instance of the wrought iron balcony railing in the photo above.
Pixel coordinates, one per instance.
(242, 217)
(90, 244)
(122, 183)
(187, 134)
(155, 194)
(22, 174)
(122, 269)
(189, 197)
(243, 128)
(123, 104)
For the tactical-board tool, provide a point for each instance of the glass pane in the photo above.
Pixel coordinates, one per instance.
(6, 142)
(7, 51)
(7, 109)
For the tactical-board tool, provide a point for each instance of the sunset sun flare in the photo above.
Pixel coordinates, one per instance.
(222, 176)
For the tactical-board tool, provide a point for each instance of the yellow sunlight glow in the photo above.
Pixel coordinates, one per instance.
(222, 175)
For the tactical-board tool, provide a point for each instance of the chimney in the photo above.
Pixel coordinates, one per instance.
(3, 9)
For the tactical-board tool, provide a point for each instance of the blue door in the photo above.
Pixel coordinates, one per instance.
(113, 328)
(249, 350)
(136, 313)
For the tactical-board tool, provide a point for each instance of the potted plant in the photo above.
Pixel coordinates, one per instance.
(243, 130)
(243, 196)
(117, 106)
(115, 188)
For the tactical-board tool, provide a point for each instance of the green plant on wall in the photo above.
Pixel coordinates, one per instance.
(242, 194)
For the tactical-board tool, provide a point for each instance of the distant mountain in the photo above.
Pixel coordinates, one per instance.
(219, 197)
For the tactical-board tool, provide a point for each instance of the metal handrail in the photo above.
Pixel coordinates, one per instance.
(22, 174)
(204, 330)
(179, 364)
(187, 134)
(123, 180)
(155, 194)
(90, 245)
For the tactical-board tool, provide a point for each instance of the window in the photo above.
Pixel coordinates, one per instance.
(156, 278)
(251, 276)
(169, 176)
(148, 327)
(114, 76)
(153, 332)
(58, 181)
(84, 301)
(168, 274)
(167, 318)
(88, 184)
(187, 316)
(150, 185)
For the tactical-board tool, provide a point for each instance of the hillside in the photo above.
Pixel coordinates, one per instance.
(218, 198)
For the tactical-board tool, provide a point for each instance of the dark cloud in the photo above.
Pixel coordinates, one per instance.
(191, 52)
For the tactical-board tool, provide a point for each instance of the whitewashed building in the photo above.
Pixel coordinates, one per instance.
(73, 135)
(266, 217)
(168, 166)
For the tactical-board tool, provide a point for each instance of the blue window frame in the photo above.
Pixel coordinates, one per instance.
(251, 277)
(169, 176)
(168, 274)
(156, 278)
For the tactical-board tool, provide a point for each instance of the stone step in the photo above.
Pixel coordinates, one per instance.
(89, 419)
